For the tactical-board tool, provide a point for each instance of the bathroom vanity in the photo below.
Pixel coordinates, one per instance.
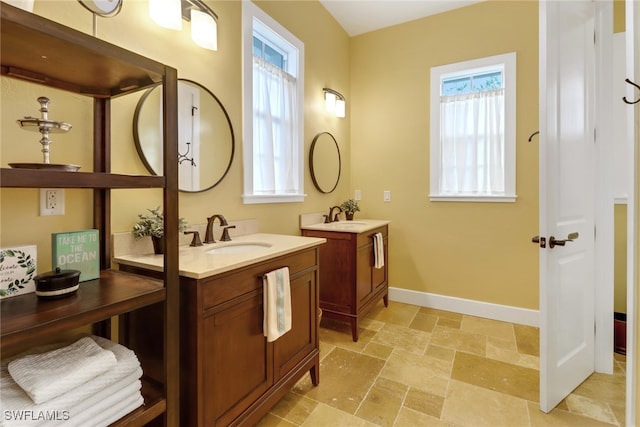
(230, 374)
(350, 285)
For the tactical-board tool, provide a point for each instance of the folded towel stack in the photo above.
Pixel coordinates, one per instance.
(378, 250)
(93, 381)
(276, 303)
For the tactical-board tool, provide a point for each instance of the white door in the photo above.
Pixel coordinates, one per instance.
(567, 202)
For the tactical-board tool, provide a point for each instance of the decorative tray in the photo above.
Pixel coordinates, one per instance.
(49, 166)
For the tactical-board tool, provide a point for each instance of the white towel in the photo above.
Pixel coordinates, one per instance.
(378, 250)
(47, 375)
(276, 303)
(14, 401)
(106, 408)
(95, 403)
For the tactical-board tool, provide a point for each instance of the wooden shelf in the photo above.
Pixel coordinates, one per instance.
(28, 317)
(34, 178)
(42, 51)
(154, 404)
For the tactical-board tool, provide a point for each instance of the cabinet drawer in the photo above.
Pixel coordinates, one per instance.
(365, 238)
(227, 286)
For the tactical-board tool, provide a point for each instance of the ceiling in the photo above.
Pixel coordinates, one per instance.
(361, 16)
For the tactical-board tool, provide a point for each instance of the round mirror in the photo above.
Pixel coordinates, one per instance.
(325, 162)
(205, 136)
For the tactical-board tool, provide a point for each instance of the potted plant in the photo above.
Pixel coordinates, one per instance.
(349, 207)
(153, 225)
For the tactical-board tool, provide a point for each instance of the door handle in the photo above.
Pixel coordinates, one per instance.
(553, 242)
(540, 241)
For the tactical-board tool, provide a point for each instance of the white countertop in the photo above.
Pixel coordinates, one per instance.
(197, 263)
(355, 226)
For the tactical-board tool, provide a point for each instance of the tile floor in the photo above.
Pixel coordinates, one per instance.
(414, 366)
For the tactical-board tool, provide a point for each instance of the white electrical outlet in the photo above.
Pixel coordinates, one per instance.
(358, 195)
(387, 195)
(51, 201)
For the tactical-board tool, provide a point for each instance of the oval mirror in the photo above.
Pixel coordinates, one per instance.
(325, 162)
(205, 136)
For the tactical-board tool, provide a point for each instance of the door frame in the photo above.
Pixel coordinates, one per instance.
(632, 29)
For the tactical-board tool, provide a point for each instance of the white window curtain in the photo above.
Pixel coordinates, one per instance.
(274, 130)
(472, 143)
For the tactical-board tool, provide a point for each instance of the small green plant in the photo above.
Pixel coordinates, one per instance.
(153, 224)
(350, 206)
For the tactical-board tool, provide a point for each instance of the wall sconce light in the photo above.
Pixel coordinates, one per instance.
(204, 21)
(334, 102)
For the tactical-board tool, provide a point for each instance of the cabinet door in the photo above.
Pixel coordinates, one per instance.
(296, 344)
(379, 275)
(236, 366)
(364, 261)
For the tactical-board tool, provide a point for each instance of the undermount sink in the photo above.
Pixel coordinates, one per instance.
(236, 248)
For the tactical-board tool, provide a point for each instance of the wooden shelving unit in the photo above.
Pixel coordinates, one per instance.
(41, 51)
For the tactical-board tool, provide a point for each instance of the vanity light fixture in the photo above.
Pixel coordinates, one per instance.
(204, 21)
(334, 102)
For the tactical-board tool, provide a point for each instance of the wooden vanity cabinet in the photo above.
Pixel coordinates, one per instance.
(350, 285)
(230, 375)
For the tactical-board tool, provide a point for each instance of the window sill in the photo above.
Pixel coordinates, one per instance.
(250, 199)
(481, 199)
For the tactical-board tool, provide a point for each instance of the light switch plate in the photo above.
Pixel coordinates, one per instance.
(387, 196)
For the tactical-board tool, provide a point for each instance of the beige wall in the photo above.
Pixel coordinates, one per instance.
(479, 251)
(327, 64)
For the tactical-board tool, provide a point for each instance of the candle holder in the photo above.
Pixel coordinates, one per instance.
(45, 127)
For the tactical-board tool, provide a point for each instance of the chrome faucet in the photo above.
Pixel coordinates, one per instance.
(208, 235)
(331, 217)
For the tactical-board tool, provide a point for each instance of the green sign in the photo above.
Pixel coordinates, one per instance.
(77, 250)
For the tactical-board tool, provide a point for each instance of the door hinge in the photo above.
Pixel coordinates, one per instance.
(594, 135)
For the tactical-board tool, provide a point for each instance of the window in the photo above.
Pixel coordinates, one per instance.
(472, 145)
(273, 89)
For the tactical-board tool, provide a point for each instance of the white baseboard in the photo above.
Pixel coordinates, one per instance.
(505, 313)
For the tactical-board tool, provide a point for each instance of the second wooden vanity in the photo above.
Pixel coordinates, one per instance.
(230, 374)
(350, 284)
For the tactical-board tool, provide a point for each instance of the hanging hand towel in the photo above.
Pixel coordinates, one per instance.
(47, 375)
(277, 303)
(378, 250)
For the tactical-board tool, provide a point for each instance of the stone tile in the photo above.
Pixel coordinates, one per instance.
(559, 418)
(410, 418)
(397, 313)
(425, 402)
(424, 322)
(497, 376)
(383, 402)
(607, 388)
(441, 313)
(441, 353)
(459, 340)
(380, 351)
(508, 344)
(294, 408)
(488, 327)
(271, 420)
(325, 415)
(509, 356)
(372, 324)
(619, 411)
(345, 379)
(528, 339)
(469, 405)
(449, 323)
(418, 371)
(597, 410)
(325, 348)
(339, 334)
(401, 337)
